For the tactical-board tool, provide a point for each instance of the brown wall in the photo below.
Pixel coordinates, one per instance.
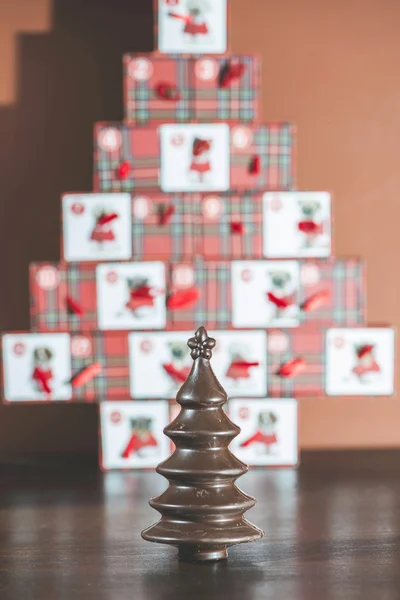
(329, 66)
(17, 16)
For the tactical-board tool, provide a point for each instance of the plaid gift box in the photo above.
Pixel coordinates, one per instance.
(198, 293)
(296, 363)
(99, 366)
(127, 158)
(333, 292)
(108, 349)
(63, 298)
(162, 89)
(178, 10)
(164, 226)
(230, 226)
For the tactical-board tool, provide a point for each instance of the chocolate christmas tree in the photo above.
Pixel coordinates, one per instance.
(202, 509)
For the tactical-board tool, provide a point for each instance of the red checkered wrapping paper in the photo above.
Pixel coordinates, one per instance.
(110, 350)
(175, 89)
(230, 226)
(54, 286)
(165, 226)
(175, 227)
(296, 363)
(127, 158)
(340, 284)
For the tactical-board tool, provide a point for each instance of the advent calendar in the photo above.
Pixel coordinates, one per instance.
(195, 219)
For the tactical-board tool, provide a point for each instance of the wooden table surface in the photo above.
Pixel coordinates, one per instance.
(332, 528)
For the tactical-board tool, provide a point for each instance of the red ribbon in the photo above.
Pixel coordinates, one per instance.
(183, 299)
(230, 72)
(292, 368)
(168, 91)
(124, 170)
(237, 227)
(87, 374)
(255, 165)
(315, 301)
(166, 212)
(74, 306)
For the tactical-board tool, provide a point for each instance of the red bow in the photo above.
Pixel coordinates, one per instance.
(315, 301)
(87, 374)
(292, 368)
(184, 299)
(168, 91)
(229, 73)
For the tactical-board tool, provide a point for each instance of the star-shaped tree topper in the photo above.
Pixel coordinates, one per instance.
(201, 345)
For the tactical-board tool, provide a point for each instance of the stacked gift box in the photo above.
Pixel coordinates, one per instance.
(195, 220)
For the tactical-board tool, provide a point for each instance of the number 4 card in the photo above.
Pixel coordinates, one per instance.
(192, 26)
(195, 158)
(360, 362)
(36, 366)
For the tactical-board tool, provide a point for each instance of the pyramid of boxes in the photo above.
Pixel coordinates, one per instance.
(195, 220)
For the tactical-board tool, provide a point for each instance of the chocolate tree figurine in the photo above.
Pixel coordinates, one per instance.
(202, 509)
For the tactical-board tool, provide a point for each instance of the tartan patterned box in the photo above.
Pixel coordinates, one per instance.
(127, 158)
(191, 26)
(230, 226)
(296, 363)
(332, 292)
(198, 293)
(56, 290)
(163, 226)
(163, 89)
(82, 368)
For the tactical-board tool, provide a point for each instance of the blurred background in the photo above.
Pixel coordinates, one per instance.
(329, 67)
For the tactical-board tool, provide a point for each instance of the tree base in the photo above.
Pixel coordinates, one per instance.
(189, 553)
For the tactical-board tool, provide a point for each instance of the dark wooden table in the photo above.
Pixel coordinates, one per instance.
(332, 532)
